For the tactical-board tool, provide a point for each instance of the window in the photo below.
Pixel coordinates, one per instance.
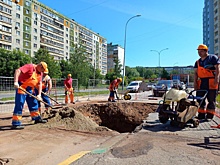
(27, 11)
(27, 19)
(27, 28)
(26, 52)
(35, 45)
(17, 49)
(35, 30)
(26, 43)
(17, 24)
(35, 38)
(67, 41)
(18, 33)
(35, 22)
(35, 7)
(18, 7)
(67, 29)
(17, 15)
(17, 41)
(27, 3)
(71, 25)
(66, 35)
(26, 35)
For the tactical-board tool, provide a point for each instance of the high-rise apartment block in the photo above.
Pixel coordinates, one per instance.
(28, 25)
(211, 25)
(115, 52)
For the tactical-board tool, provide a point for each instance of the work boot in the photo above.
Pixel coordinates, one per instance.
(17, 127)
(40, 121)
(73, 103)
(109, 99)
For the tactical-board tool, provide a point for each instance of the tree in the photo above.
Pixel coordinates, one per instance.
(11, 60)
(81, 69)
(165, 74)
(53, 66)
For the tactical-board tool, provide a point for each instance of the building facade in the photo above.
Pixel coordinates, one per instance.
(28, 25)
(211, 25)
(114, 52)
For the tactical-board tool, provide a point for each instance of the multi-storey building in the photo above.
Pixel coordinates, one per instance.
(28, 25)
(114, 52)
(211, 27)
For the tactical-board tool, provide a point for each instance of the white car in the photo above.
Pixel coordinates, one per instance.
(133, 86)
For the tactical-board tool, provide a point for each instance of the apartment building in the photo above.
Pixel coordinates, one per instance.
(28, 25)
(114, 52)
(211, 25)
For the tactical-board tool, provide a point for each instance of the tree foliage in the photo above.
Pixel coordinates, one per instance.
(11, 60)
(53, 66)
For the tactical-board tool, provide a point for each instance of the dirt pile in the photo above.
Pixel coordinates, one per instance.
(121, 117)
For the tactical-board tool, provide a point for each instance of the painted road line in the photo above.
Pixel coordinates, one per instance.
(73, 158)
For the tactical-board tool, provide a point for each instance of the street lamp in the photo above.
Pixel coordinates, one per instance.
(123, 76)
(159, 52)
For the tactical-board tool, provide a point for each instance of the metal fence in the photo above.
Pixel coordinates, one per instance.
(95, 88)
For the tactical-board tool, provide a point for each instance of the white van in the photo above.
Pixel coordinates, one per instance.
(134, 86)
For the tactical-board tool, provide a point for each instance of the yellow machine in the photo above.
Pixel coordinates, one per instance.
(177, 107)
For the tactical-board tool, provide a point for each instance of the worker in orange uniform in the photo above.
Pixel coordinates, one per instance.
(27, 77)
(46, 88)
(112, 88)
(69, 91)
(206, 77)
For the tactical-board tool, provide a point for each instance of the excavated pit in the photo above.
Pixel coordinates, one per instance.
(121, 117)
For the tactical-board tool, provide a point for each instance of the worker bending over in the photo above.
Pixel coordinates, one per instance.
(112, 88)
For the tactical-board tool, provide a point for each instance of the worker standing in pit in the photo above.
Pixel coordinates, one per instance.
(69, 91)
(112, 88)
(206, 78)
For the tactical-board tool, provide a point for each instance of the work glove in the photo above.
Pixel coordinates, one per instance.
(39, 97)
(16, 85)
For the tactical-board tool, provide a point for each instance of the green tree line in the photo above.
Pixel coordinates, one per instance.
(77, 65)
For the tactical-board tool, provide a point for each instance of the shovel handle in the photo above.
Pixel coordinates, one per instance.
(49, 97)
(34, 96)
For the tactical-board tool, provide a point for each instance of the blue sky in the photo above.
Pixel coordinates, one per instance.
(172, 24)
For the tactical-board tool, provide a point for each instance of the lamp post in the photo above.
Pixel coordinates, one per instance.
(159, 52)
(123, 76)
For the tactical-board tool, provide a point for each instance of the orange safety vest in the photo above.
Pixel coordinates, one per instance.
(113, 85)
(32, 82)
(206, 73)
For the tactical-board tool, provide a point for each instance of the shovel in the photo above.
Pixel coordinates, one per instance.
(52, 98)
(52, 107)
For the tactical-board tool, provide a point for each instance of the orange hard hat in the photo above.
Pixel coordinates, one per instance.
(44, 64)
(69, 75)
(203, 47)
(46, 71)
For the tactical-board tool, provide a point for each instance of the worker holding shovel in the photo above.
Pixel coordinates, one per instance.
(113, 89)
(46, 88)
(26, 78)
(69, 91)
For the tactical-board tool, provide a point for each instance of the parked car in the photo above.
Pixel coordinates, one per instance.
(177, 84)
(161, 87)
(134, 86)
(150, 86)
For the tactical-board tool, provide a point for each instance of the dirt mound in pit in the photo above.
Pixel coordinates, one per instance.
(70, 119)
(121, 117)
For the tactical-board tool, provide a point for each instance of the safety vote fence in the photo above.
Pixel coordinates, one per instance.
(94, 89)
